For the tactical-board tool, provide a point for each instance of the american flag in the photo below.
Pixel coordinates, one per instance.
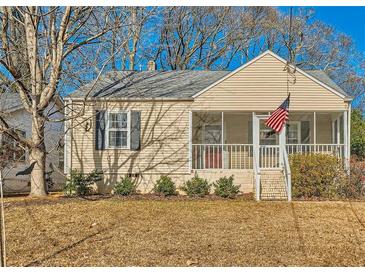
(278, 118)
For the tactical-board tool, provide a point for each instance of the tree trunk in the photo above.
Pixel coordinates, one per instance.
(37, 177)
(38, 155)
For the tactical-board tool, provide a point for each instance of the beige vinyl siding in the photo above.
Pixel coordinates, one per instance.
(262, 86)
(164, 140)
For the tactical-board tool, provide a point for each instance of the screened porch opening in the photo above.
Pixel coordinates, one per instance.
(224, 140)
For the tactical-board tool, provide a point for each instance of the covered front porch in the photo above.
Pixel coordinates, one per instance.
(242, 141)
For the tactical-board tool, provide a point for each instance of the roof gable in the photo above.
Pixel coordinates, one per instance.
(320, 78)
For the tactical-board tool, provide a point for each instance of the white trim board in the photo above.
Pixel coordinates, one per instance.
(278, 58)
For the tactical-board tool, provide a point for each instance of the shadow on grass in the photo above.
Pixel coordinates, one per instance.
(298, 230)
(66, 248)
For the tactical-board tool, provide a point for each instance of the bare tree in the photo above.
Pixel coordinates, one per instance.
(196, 37)
(131, 36)
(38, 48)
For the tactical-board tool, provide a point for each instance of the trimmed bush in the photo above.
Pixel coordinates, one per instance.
(126, 186)
(196, 187)
(165, 186)
(79, 184)
(317, 175)
(225, 188)
(355, 186)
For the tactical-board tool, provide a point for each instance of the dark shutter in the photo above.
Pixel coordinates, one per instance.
(135, 130)
(100, 125)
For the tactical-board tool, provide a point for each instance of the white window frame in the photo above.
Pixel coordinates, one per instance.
(128, 129)
(299, 126)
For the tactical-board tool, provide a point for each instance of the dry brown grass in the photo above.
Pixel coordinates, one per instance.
(116, 232)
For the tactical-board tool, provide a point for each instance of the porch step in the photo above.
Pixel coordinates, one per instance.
(273, 185)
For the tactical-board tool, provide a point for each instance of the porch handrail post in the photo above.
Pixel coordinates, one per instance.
(190, 140)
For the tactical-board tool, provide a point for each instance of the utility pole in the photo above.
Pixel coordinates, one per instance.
(2, 224)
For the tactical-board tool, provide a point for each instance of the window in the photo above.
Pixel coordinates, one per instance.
(118, 129)
(19, 152)
(293, 132)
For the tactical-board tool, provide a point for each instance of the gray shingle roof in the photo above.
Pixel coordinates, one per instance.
(178, 84)
(324, 78)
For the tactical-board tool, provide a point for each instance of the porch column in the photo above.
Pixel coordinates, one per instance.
(255, 137)
(222, 135)
(315, 130)
(256, 153)
(346, 138)
(338, 130)
(349, 132)
(282, 143)
(190, 140)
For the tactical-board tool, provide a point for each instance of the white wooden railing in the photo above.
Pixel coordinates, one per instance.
(269, 156)
(218, 156)
(240, 156)
(333, 149)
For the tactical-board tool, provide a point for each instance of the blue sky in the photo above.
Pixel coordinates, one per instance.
(350, 20)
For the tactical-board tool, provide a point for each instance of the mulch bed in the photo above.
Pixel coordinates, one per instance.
(23, 200)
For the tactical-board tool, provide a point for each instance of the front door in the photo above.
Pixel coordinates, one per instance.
(267, 144)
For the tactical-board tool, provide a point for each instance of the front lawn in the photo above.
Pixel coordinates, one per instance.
(122, 232)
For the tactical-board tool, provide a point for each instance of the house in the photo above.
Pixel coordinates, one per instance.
(16, 116)
(148, 123)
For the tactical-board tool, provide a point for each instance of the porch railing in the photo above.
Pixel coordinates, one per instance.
(218, 156)
(332, 149)
(240, 156)
(269, 156)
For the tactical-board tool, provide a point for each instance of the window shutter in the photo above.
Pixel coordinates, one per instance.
(135, 134)
(100, 126)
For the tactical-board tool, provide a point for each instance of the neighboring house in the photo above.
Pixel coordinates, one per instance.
(17, 117)
(149, 123)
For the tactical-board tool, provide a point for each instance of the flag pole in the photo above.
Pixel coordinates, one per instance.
(2, 224)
